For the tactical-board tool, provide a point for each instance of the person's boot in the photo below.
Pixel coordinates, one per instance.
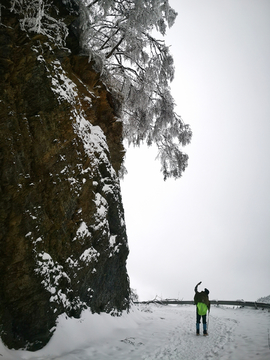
(205, 333)
(197, 329)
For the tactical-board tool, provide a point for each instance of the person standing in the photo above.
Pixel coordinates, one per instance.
(202, 303)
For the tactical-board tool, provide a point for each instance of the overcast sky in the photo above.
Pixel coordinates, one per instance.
(213, 224)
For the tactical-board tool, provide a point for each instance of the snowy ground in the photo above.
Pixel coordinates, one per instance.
(152, 332)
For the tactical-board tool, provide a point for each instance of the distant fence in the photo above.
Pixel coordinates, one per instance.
(241, 303)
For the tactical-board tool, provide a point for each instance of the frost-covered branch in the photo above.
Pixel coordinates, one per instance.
(35, 17)
(119, 34)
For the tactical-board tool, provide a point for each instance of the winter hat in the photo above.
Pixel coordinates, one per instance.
(206, 291)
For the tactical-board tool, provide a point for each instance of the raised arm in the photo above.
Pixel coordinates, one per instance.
(196, 287)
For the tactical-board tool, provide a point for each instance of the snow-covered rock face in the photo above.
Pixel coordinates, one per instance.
(63, 244)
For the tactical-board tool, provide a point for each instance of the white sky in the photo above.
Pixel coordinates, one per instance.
(213, 224)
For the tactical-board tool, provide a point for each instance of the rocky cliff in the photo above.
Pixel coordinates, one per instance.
(63, 244)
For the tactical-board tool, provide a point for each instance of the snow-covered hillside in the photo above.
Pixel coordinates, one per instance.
(151, 332)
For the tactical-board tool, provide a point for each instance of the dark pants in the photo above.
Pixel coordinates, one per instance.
(199, 318)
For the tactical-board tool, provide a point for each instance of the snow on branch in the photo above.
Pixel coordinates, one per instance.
(35, 17)
(118, 36)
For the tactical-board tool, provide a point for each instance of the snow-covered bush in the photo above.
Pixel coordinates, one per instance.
(265, 299)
